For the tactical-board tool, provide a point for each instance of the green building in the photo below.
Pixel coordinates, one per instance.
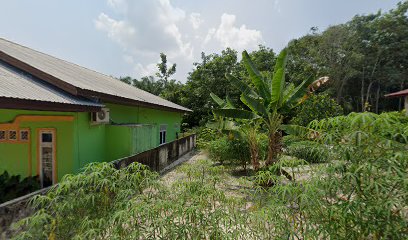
(56, 116)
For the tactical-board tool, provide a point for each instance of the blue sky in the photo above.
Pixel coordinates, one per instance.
(125, 37)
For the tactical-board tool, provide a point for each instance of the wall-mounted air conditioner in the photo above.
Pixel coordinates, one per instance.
(100, 117)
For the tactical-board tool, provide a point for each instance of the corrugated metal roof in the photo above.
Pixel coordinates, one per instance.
(81, 77)
(398, 94)
(17, 84)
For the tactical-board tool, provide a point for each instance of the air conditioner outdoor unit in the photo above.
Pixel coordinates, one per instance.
(101, 116)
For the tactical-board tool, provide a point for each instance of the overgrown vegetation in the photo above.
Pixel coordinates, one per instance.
(13, 187)
(309, 151)
(87, 205)
(316, 107)
(360, 194)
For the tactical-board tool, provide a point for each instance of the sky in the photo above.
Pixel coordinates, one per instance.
(126, 37)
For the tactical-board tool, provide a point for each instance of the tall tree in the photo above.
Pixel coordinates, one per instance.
(209, 75)
(268, 99)
(165, 72)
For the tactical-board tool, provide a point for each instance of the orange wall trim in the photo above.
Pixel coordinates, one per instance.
(15, 125)
(35, 118)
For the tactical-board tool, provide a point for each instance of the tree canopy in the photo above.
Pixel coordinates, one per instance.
(365, 58)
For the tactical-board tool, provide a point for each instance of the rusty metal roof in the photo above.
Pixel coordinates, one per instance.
(398, 94)
(80, 77)
(16, 84)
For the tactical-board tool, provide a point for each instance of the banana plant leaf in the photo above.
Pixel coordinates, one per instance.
(254, 104)
(278, 80)
(243, 87)
(235, 113)
(256, 77)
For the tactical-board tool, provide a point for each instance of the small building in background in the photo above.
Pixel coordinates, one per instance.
(56, 116)
(404, 94)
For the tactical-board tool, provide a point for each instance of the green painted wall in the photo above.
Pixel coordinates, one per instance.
(14, 157)
(127, 114)
(89, 140)
(80, 143)
(123, 139)
(117, 142)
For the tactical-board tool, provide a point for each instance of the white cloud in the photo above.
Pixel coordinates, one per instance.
(144, 28)
(148, 70)
(195, 20)
(119, 31)
(276, 6)
(239, 38)
(147, 27)
(118, 5)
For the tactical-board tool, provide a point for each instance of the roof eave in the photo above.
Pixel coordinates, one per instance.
(38, 73)
(80, 92)
(126, 101)
(29, 104)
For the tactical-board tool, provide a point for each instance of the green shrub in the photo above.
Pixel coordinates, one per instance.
(310, 151)
(365, 192)
(290, 139)
(11, 187)
(205, 135)
(269, 176)
(316, 107)
(263, 146)
(232, 151)
(85, 205)
(219, 150)
(239, 152)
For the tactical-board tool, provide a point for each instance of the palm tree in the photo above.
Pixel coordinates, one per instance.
(268, 99)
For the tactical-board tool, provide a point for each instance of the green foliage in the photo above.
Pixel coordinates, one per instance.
(233, 151)
(268, 98)
(167, 88)
(354, 127)
(360, 195)
(204, 136)
(190, 208)
(219, 150)
(86, 205)
(310, 151)
(316, 107)
(390, 126)
(365, 192)
(209, 74)
(290, 139)
(165, 72)
(12, 187)
(271, 175)
(365, 57)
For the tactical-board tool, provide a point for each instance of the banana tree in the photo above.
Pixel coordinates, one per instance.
(269, 98)
(244, 130)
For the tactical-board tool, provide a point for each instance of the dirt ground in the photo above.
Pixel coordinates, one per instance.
(236, 186)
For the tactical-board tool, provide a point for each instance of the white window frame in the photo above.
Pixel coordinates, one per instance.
(52, 145)
(162, 134)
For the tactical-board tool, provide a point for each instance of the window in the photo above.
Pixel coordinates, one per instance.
(177, 129)
(12, 135)
(2, 135)
(24, 135)
(163, 134)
